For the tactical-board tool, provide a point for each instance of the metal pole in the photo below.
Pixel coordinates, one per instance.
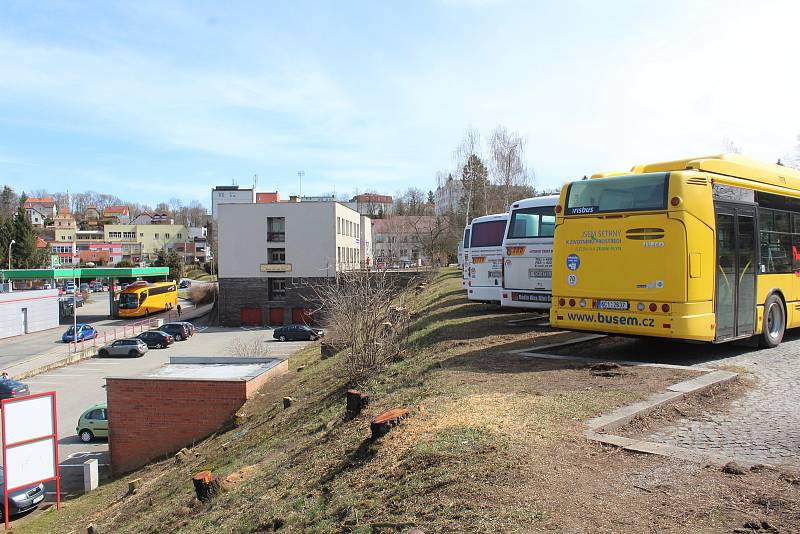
(10, 280)
(74, 311)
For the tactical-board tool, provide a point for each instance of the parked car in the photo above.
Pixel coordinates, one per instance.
(11, 388)
(79, 300)
(177, 330)
(156, 339)
(97, 288)
(297, 332)
(84, 288)
(22, 499)
(69, 287)
(124, 347)
(191, 330)
(84, 331)
(184, 284)
(93, 423)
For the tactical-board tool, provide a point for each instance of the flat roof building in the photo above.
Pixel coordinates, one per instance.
(269, 253)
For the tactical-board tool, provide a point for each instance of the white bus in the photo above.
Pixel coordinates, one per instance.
(528, 253)
(463, 257)
(486, 258)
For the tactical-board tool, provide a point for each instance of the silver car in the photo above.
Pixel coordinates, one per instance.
(124, 347)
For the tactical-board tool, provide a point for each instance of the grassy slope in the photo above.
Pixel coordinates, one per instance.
(486, 440)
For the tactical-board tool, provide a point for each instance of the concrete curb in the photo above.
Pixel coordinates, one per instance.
(598, 426)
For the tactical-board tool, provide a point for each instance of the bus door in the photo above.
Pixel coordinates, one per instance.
(736, 270)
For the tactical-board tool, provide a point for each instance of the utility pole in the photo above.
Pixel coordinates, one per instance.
(300, 175)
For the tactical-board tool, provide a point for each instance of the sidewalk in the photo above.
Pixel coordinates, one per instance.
(68, 354)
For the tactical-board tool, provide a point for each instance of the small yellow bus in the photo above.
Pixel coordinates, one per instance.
(702, 249)
(143, 298)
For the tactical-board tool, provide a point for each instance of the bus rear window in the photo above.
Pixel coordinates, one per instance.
(532, 222)
(466, 237)
(488, 234)
(636, 192)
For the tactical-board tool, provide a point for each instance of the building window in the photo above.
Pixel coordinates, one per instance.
(155, 236)
(179, 236)
(277, 288)
(166, 236)
(277, 256)
(338, 225)
(141, 234)
(276, 229)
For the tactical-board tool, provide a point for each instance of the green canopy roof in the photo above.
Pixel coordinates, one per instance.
(93, 272)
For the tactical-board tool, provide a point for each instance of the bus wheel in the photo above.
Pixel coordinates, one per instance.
(774, 325)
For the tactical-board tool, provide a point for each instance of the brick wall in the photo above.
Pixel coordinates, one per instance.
(151, 418)
(238, 293)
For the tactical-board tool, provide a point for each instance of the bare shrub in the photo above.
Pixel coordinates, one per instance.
(249, 347)
(201, 294)
(365, 312)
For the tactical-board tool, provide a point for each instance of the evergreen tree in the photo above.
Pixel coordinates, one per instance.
(431, 198)
(8, 202)
(175, 264)
(161, 259)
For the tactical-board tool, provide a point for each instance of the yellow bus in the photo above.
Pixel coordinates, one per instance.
(144, 298)
(702, 249)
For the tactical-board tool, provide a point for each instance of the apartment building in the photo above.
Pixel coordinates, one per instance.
(230, 194)
(270, 254)
(148, 239)
(400, 239)
(372, 205)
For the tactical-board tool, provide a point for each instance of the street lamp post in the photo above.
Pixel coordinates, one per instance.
(10, 280)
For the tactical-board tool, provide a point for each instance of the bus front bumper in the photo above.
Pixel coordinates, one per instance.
(684, 322)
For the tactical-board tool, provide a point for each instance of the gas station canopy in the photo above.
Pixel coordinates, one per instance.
(92, 272)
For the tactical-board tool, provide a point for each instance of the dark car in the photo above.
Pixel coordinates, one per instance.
(22, 499)
(184, 284)
(177, 330)
(190, 329)
(297, 332)
(11, 388)
(155, 339)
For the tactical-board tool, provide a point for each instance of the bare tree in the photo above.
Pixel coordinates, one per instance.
(249, 347)
(507, 163)
(730, 146)
(431, 234)
(365, 312)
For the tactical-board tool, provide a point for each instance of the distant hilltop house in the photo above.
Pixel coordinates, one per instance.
(143, 218)
(161, 217)
(117, 214)
(91, 217)
(371, 204)
(39, 210)
(64, 219)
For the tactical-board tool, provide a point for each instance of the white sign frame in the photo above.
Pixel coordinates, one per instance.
(30, 443)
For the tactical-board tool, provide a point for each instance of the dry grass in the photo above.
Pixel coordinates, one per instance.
(493, 444)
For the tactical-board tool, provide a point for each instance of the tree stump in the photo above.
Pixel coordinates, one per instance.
(356, 401)
(133, 486)
(382, 424)
(206, 485)
(287, 401)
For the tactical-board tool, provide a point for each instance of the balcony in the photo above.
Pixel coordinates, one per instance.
(276, 237)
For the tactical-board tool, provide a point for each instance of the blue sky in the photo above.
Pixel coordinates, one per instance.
(151, 101)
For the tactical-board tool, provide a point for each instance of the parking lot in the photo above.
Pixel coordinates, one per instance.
(763, 426)
(81, 385)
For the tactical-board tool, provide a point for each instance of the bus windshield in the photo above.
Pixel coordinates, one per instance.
(128, 301)
(538, 221)
(636, 192)
(488, 234)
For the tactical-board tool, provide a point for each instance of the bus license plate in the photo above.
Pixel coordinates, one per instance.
(536, 273)
(495, 274)
(612, 304)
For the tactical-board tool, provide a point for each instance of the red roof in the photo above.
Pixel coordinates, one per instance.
(372, 198)
(31, 202)
(118, 210)
(267, 198)
(41, 243)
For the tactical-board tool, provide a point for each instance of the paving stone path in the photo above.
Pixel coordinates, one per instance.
(761, 427)
(764, 425)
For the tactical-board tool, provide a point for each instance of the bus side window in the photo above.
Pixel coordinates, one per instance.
(142, 296)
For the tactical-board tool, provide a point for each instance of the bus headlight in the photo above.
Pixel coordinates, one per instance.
(582, 303)
(640, 306)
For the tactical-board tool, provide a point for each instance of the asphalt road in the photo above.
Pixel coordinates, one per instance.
(82, 385)
(95, 312)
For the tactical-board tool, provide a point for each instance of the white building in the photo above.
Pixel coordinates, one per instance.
(25, 312)
(230, 194)
(269, 253)
(449, 196)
